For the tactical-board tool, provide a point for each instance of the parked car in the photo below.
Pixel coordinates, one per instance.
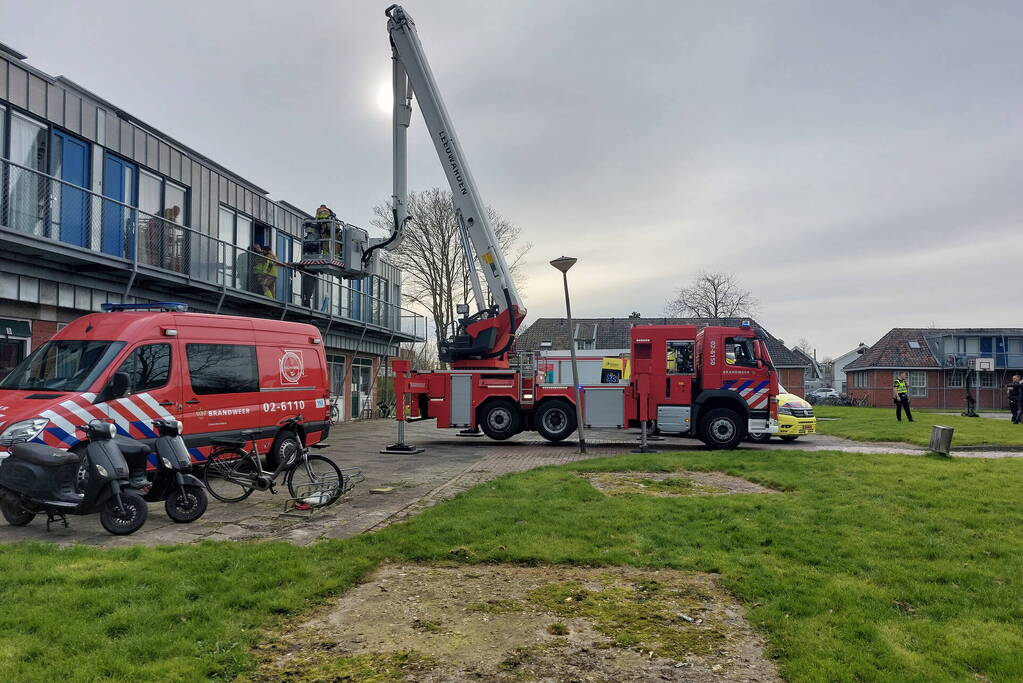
(795, 418)
(818, 395)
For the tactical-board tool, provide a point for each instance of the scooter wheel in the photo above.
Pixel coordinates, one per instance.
(126, 520)
(186, 504)
(16, 514)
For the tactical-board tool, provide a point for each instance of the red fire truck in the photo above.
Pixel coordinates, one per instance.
(716, 383)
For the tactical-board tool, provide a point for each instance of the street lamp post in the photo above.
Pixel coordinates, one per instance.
(563, 264)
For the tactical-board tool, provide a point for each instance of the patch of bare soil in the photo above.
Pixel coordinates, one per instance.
(671, 484)
(427, 623)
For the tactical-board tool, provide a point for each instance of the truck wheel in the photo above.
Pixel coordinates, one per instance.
(758, 437)
(16, 514)
(286, 445)
(722, 428)
(555, 420)
(500, 419)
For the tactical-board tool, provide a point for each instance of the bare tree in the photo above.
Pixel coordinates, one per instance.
(712, 295)
(805, 346)
(431, 256)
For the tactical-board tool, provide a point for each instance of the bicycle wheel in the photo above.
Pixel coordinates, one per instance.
(228, 475)
(335, 414)
(317, 481)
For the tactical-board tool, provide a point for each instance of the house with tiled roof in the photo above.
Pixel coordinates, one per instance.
(940, 362)
(599, 337)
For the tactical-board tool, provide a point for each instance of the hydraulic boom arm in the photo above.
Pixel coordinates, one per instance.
(484, 338)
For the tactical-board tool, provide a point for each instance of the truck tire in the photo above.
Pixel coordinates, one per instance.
(500, 419)
(555, 420)
(722, 428)
(286, 445)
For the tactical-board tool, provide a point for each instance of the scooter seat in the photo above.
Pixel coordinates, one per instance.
(132, 448)
(41, 454)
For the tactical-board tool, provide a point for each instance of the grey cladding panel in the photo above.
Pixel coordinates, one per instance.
(139, 139)
(18, 87)
(36, 95)
(89, 120)
(72, 112)
(113, 132)
(55, 103)
(461, 400)
(3, 78)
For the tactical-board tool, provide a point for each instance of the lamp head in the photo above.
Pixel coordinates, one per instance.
(563, 263)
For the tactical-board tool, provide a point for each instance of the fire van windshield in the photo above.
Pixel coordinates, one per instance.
(63, 365)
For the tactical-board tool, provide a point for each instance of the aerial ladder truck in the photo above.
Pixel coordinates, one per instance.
(715, 383)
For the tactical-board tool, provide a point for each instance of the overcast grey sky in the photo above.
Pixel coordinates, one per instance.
(858, 164)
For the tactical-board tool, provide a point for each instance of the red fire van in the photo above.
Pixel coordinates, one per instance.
(218, 374)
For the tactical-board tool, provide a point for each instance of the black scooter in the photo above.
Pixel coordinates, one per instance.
(172, 480)
(38, 478)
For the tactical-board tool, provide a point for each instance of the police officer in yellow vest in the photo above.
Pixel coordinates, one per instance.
(900, 393)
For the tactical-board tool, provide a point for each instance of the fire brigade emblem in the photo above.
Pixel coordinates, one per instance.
(292, 367)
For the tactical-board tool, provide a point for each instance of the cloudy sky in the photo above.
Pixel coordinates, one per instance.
(858, 165)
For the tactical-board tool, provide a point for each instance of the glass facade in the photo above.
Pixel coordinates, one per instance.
(28, 195)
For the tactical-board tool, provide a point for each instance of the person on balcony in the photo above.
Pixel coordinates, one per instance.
(266, 273)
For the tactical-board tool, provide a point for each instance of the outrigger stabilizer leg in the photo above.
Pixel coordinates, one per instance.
(401, 369)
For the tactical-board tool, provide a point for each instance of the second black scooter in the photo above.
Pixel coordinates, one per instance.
(172, 481)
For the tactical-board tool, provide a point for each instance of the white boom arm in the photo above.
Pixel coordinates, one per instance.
(412, 74)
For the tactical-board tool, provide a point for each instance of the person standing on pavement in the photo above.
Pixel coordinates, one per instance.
(1016, 399)
(900, 393)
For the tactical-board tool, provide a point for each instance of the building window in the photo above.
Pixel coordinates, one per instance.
(987, 380)
(859, 379)
(362, 385)
(972, 345)
(583, 344)
(917, 383)
(1015, 345)
(28, 190)
(955, 380)
(222, 368)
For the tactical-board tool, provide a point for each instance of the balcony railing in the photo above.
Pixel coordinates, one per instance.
(49, 209)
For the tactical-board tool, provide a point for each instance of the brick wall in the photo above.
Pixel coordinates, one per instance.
(879, 391)
(792, 379)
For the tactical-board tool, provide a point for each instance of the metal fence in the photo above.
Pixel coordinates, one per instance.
(40, 205)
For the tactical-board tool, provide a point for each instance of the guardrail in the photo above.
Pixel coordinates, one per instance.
(48, 208)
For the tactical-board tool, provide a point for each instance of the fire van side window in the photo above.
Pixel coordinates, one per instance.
(222, 368)
(148, 367)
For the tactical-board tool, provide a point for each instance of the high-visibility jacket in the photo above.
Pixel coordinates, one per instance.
(900, 386)
(266, 267)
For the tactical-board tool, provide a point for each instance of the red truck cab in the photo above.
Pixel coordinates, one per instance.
(220, 375)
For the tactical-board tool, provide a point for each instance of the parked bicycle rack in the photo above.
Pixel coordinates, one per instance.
(350, 476)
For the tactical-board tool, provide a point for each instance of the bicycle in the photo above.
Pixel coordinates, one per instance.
(231, 473)
(335, 410)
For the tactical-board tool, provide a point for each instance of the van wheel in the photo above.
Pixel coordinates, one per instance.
(722, 428)
(16, 514)
(286, 445)
(758, 437)
(500, 419)
(555, 420)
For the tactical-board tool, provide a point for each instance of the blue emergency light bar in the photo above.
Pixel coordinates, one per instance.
(156, 305)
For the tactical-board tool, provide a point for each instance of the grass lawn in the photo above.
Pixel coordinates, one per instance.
(879, 424)
(867, 568)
